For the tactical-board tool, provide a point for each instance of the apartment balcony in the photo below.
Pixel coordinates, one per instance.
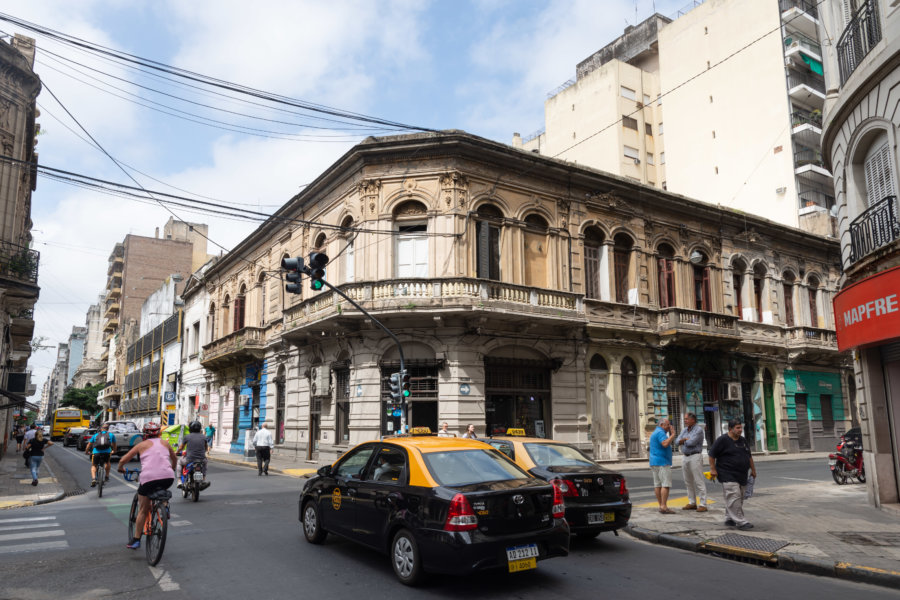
(859, 37)
(760, 337)
(19, 265)
(614, 315)
(810, 161)
(116, 265)
(413, 298)
(112, 323)
(798, 43)
(699, 329)
(806, 88)
(802, 15)
(112, 310)
(21, 327)
(811, 344)
(114, 291)
(112, 390)
(242, 346)
(874, 229)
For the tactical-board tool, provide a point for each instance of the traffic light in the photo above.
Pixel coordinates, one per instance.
(396, 394)
(404, 384)
(316, 270)
(294, 268)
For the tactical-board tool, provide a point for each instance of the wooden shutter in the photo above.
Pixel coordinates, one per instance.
(483, 249)
(706, 294)
(494, 245)
(879, 175)
(238, 313)
(620, 269)
(405, 250)
(813, 309)
(592, 272)
(349, 263)
(420, 254)
(788, 305)
(663, 266)
(757, 292)
(738, 285)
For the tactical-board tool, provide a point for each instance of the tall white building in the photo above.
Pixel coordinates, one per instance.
(722, 103)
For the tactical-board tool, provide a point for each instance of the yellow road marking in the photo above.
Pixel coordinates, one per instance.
(676, 502)
(40, 480)
(846, 565)
(299, 472)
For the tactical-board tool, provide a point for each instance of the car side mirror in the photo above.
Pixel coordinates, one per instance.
(324, 471)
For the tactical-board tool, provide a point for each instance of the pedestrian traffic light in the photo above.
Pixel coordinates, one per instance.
(295, 269)
(316, 270)
(396, 394)
(404, 384)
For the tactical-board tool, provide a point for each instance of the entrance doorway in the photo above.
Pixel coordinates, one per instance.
(771, 423)
(422, 405)
(803, 435)
(517, 395)
(747, 376)
(630, 421)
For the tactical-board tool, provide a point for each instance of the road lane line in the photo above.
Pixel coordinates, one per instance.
(32, 547)
(35, 534)
(28, 526)
(23, 519)
(164, 580)
(798, 479)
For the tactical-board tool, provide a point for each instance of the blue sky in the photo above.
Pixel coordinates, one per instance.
(484, 66)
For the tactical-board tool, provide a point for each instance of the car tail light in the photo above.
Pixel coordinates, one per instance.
(460, 516)
(567, 488)
(559, 503)
(623, 491)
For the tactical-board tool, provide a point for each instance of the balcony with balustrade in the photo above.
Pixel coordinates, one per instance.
(245, 345)
(698, 329)
(811, 344)
(802, 15)
(19, 269)
(807, 88)
(862, 33)
(877, 228)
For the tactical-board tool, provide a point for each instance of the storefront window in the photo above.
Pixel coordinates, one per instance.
(517, 396)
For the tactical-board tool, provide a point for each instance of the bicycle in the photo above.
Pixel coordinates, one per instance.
(157, 524)
(101, 474)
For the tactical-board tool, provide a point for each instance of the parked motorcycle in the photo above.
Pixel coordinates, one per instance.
(847, 462)
(192, 481)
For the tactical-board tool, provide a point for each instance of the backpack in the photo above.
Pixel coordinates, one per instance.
(102, 442)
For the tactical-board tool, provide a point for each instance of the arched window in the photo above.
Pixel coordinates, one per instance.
(411, 257)
(665, 270)
(487, 234)
(349, 253)
(262, 284)
(319, 246)
(622, 248)
(813, 290)
(537, 249)
(759, 285)
(240, 308)
(702, 295)
(211, 322)
(738, 273)
(787, 286)
(593, 250)
(879, 171)
(226, 315)
(598, 363)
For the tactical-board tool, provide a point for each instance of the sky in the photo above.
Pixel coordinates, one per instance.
(483, 66)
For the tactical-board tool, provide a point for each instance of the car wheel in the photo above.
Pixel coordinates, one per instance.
(405, 558)
(312, 526)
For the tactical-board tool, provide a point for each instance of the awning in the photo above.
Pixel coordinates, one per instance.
(14, 399)
(815, 65)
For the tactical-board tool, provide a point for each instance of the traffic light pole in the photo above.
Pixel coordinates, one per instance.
(403, 403)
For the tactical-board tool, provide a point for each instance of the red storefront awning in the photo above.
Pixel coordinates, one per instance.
(868, 312)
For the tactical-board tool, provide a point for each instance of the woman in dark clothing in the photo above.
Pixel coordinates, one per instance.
(36, 447)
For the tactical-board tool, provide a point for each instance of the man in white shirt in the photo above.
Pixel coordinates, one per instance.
(263, 442)
(444, 432)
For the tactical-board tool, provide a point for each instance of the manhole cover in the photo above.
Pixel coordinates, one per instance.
(868, 538)
(746, 542)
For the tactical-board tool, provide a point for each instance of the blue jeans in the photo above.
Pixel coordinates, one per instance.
(35, 465)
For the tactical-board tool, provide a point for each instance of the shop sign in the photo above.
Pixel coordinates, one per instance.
(868, 312)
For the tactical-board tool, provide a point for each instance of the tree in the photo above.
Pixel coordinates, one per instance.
(83, 398)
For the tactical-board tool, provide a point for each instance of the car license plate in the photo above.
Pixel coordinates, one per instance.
(522, 565)
(832, 462)
(520, 552)
(604, 517)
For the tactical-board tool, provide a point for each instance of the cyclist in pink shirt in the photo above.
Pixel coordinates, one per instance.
(157, 473)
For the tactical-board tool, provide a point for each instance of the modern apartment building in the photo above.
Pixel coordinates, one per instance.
(526, 292)
(19, 87)
(862, 120)
(722, 103)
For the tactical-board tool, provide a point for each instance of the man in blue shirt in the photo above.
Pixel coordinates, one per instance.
(661, 463)
(101, 446)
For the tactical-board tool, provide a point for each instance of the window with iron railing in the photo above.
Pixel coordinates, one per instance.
(862, 33)
(810, 80)
(877, 227)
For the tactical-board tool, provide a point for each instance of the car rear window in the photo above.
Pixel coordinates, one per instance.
(557, 455)
(465, 467)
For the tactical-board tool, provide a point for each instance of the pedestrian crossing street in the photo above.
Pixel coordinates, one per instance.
(30, 534)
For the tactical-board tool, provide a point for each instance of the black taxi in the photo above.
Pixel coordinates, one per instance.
(596, 498)
(434, 504)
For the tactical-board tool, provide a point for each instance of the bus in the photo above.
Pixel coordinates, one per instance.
(66, 417)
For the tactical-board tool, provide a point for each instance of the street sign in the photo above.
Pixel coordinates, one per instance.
(169, 396)
(464, 389)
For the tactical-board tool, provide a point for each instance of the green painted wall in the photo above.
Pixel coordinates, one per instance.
(813, 384)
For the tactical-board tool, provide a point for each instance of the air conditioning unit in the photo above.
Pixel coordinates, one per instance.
(244, 400)
(321, 381)
(733, 391)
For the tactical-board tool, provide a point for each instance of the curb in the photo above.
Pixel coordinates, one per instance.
(241, 463)
(787, 561)
(59, 496)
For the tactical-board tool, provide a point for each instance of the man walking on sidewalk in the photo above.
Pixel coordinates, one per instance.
(661, 463)
(263, 442)
(690, 440)
(729, 461)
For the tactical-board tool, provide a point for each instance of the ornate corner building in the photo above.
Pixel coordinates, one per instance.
(526, 292)
(19, 87)
(860, 138)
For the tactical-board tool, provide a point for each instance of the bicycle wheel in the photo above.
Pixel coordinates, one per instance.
(156, 539)
(101, 475)
(132, 517)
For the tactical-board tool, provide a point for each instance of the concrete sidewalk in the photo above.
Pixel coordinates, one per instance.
(15, 482)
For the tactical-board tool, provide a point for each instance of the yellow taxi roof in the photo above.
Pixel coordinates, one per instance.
(434, 443)
(516, 438)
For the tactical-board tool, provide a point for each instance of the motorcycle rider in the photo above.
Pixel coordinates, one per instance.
(193, 450)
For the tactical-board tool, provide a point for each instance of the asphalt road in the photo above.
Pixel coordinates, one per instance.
(242, 539)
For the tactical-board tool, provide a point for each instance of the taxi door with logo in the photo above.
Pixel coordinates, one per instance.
(380, 494)
(338, 499)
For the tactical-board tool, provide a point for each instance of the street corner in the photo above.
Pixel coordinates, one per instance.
(864, 574)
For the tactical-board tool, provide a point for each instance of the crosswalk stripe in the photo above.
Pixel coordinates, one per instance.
(59, 545)
(28, 526)
(24, 519)
(34, 534)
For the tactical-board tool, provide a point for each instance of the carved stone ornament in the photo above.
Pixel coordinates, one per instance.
(369, 189)
(6, 114)
(455, 184)
(411, 208)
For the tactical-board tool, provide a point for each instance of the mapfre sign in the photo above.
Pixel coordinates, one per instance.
(868, 312)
